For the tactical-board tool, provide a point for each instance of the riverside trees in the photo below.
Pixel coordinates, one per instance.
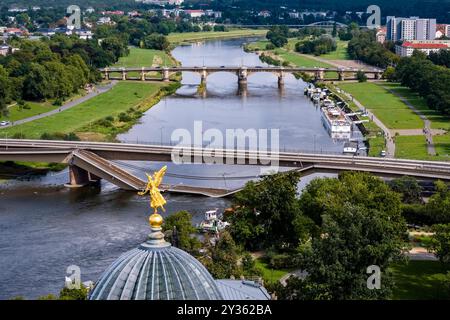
(54, 68)
(334, 231)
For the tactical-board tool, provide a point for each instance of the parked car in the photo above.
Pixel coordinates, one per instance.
(4, 123)
(383, 153)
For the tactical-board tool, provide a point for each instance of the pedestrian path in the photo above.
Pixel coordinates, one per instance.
(390, 144)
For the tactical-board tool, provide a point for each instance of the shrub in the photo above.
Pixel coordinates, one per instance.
(361, 76)
(270, 46)
(71, 137)
(123, 117)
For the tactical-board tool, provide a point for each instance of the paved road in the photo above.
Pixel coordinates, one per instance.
(71, 104)
(390, 144)
(427, 124)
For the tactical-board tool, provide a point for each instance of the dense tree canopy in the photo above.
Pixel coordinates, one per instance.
(427, 79)
(268, 214)
(359, 224)
(363, 46)
(321, 45)
(54, 68)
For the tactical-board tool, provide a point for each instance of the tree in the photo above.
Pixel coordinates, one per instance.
(37, 83)
(249, 266)
(73, 294)
(440, 242)
(180, 229)
(267, 214)
(352, 237)
(408, 187)
(326, 194)
(334, 32)
(156, 41)
(5, 90)
(438, 206)
(221, 258)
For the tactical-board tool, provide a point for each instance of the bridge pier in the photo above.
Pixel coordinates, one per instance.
(142, 74)
(341, 75)
(320, 74)
(203, 76)
(166, 75)
(124, 75)
(378, 75)
(78, 177)
(242, 76)
(106, 74)
(280, 79)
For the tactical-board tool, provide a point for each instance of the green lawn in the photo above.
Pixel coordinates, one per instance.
(419, 280)
(339, 54)
(176, 38)
(144, 57)
(393, 112)
(120, 98)
(438, 121)
(32, 109)
(411, 147)
(442, 145)
(270, 275)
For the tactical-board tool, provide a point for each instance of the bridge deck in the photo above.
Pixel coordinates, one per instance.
(94, 156)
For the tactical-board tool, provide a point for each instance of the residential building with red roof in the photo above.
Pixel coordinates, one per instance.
(407, 48)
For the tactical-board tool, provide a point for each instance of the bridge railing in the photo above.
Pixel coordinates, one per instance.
(206, 145)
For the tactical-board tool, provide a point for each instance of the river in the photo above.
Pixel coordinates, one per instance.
(46, 227)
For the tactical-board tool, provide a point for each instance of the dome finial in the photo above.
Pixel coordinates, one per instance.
(156, 199)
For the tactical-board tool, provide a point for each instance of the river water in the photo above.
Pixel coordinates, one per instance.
(45, 227)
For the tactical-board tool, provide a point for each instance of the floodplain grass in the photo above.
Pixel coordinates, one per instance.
(411, 147)
(393, 112)
(178, 38)
(119, 99)
(442, 146)
(139, 57)
(420, 280)
(339, 54)
(438, 120)
(33, 108)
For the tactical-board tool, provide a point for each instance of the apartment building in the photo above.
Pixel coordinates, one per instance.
(413, 28)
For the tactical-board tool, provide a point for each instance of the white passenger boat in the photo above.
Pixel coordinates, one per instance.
(212, 223)
(335, 120)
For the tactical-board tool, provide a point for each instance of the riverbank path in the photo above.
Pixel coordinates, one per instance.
(390, 144)
(97, 91)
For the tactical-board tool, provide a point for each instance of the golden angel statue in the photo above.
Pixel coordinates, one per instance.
(156, 199)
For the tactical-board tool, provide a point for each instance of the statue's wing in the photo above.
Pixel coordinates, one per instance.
(149, 183)
(158, 176)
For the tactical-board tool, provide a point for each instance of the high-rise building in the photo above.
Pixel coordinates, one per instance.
(413, 28)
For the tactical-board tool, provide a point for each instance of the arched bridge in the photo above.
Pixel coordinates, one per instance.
(92, 161)
(327, 23)
(242, 72)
